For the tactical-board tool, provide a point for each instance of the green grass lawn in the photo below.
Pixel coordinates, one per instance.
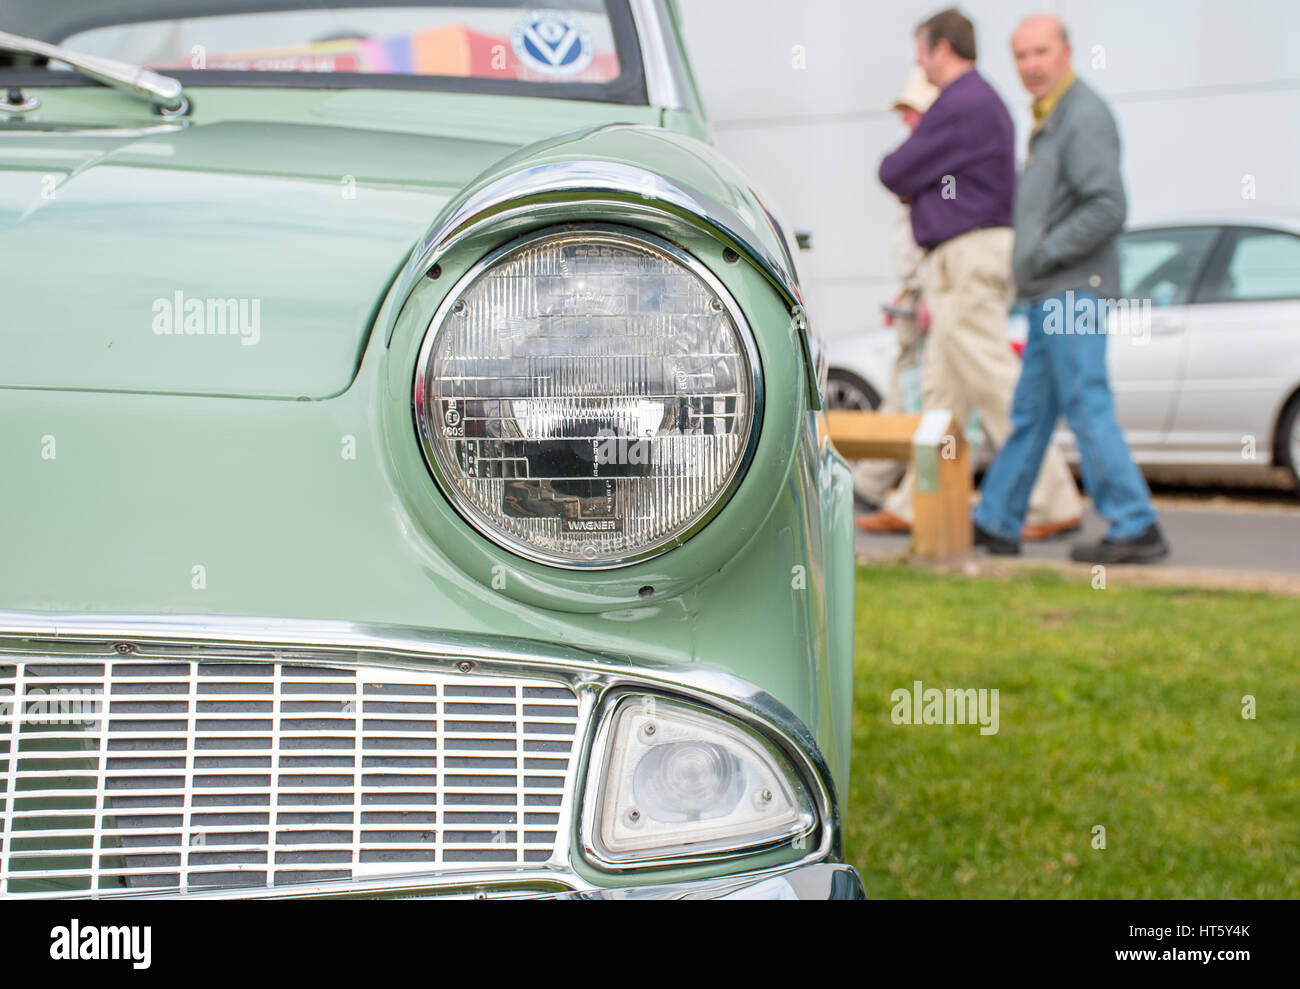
(1119, 707)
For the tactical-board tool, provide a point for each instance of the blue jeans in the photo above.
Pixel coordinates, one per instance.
(1064, 373)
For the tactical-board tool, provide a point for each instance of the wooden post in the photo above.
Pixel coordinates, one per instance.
(941, 525)
(936, 445)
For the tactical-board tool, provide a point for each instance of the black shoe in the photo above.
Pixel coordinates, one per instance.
(995, 544)
(1146, 547)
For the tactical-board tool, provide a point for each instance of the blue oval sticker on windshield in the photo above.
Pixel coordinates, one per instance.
(552, 42)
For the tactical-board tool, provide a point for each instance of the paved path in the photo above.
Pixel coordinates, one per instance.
(1247, 540)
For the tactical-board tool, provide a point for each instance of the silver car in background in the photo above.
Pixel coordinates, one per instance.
(1205, 357)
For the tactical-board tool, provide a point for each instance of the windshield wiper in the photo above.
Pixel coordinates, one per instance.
(162, 91)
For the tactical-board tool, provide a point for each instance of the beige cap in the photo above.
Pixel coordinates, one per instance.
(918, 93)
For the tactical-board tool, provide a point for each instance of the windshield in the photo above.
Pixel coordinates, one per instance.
(571, 48)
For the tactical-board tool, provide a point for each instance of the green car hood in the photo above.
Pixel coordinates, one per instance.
(244, 259)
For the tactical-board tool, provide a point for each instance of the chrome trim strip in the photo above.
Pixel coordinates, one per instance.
(331, 642)
(663, 87)
(592, 232)
(53, 131)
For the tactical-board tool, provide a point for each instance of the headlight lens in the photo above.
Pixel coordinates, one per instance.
(677, 781)
(588, 398)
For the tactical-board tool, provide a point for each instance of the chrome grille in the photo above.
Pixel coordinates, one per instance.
(125, 775)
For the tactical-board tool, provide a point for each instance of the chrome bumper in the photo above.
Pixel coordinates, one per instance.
(817, 881)
(809, 881)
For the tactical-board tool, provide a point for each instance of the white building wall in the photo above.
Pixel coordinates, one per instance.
(1206, 93)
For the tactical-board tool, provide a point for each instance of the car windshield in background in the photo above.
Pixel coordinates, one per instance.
(574, 48)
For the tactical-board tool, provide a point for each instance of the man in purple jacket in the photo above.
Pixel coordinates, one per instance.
(958, 172)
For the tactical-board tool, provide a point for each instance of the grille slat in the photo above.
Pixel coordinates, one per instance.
(136, 775)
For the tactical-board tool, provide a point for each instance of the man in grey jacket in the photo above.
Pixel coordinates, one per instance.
(1070, 206)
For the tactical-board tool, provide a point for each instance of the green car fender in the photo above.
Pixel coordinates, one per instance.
(765, 590)
(240, 504)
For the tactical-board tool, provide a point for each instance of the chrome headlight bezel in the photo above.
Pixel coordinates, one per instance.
(618, 235)
(596, 786)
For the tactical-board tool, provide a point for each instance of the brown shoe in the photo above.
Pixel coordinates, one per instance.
(883, 521)
(1050, 530)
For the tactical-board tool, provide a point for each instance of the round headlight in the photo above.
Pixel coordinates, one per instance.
(588, 398)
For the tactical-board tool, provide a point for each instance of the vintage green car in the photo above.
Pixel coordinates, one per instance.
(413, 473)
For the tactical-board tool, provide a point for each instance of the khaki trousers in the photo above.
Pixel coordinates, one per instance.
(874, 479)
(968, 362)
